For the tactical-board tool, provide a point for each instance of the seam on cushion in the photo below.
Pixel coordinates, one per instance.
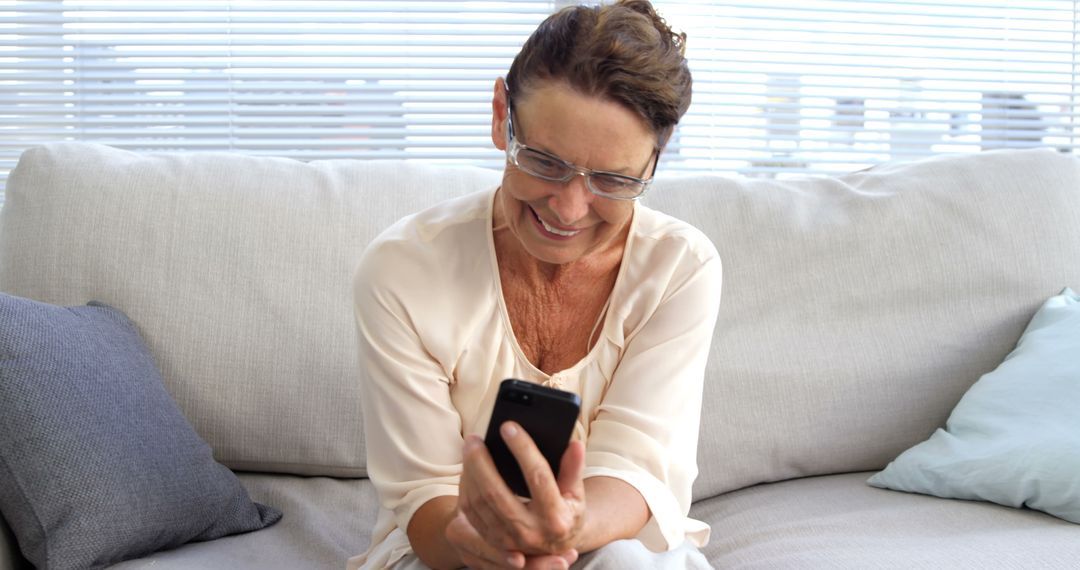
(296, 468)
(33, 512)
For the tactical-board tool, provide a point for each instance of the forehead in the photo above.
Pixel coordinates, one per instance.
(589, 131)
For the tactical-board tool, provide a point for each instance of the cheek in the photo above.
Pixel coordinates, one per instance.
(616, 213)
(525, 188)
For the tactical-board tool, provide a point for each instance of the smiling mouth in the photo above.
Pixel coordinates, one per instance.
(556, 231)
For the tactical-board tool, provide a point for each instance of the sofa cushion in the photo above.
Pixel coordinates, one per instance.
(236, 268)
(327, 521)
(839, 522)
(98, 463)
(1014, 438)
(858, 310)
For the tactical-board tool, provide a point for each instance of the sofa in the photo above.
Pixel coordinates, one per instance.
(857, 312)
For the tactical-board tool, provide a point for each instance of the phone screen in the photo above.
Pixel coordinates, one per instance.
(546, 414)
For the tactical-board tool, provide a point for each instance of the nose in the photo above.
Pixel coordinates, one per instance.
(572, 202)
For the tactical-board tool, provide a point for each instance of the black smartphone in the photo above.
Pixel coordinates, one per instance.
(546, 414)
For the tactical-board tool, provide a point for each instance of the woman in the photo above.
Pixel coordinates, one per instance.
(558, 277)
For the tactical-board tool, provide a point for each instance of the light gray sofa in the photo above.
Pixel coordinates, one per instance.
(856, 312)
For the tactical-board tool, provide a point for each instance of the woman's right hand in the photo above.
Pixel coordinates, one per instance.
(476, 553)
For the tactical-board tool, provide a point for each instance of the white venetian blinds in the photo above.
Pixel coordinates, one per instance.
(780, 85)
(835, 85)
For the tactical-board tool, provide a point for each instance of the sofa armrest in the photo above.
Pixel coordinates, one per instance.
(10, 557)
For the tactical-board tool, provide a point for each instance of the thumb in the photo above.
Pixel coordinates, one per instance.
(571, 468)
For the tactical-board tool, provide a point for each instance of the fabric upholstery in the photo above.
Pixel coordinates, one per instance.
(845, 330)
(10, 557)
(839, 522)
(327, 521)
(858, 310)
(98, 463)
(1014, 438)
(237, 270)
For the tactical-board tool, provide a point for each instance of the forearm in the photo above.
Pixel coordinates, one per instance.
(427, 533)
(614, 510)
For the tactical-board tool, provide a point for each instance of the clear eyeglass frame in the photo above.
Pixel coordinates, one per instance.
(547, 166)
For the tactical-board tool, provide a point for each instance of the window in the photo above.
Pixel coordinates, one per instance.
(781, 86)
(832, 86)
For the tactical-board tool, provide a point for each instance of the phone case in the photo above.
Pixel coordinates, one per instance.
(546, 414)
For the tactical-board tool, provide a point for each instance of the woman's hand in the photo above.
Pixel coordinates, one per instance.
(541, 533)
(476, 553)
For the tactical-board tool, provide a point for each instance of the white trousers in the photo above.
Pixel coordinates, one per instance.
(619, 555)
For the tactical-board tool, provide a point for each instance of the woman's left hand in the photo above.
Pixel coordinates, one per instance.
(549, 524)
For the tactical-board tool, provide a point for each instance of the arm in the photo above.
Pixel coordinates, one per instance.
(412, 431)
(427, 533)
(645, 430)
(564, 517)
(641, 449)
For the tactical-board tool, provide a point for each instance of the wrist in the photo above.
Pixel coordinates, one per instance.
(614, 511)
(427, 533)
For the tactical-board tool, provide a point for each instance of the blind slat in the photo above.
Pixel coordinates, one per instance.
(781, 86)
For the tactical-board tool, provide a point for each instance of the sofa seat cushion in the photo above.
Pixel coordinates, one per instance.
(327, 521)
(838, 521)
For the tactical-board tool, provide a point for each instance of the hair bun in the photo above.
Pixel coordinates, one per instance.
(645, 8)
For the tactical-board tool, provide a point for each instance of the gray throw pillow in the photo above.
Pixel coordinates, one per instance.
(97, 463)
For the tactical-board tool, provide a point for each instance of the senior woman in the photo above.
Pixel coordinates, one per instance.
(558, 277)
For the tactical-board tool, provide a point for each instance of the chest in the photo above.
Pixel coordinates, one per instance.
(556, 326)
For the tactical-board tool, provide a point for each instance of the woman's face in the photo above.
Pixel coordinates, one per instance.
(559, 222)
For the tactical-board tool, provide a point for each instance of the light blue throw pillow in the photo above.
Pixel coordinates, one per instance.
(1014, 438)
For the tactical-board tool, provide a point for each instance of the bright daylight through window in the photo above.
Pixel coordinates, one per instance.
(780, 86)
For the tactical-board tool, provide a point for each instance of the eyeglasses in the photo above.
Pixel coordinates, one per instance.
(547, 166)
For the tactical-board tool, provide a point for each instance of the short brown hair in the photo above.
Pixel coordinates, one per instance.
(624, 52)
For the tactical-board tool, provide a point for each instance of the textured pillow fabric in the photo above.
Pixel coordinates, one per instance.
(1014, 438)
(97, 463)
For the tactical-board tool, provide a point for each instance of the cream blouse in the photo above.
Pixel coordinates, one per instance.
(435, 336)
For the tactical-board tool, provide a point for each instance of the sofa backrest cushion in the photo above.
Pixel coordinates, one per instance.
(235, 269)
(858, 310)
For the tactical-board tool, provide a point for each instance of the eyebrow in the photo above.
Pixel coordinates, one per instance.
(624, 171)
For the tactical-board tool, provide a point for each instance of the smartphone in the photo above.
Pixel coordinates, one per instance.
(546, 414)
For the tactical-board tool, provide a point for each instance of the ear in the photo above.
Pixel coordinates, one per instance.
(499, 109)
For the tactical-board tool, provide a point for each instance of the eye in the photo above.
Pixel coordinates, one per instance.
(543, 164)
(615, 184)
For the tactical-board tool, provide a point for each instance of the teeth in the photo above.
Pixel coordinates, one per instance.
(557, 232)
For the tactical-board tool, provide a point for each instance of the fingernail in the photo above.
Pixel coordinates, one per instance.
(509, 430)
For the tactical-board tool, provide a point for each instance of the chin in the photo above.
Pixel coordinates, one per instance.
(557, 257)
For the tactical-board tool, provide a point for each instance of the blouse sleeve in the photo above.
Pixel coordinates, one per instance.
(645, 429)
(411, 428)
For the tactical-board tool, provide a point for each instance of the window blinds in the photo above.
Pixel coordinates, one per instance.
(781, 86)
(833, 86)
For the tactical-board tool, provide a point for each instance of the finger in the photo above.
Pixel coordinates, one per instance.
(571, 469)
(546, 562)
(535, 468)
(486, 500)
(475, 552)
(472, 488)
